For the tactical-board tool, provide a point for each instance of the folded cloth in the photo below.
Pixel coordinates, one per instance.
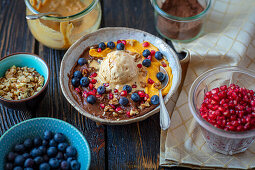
(228, 39)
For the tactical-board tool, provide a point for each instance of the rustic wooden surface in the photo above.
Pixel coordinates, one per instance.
(134, 146)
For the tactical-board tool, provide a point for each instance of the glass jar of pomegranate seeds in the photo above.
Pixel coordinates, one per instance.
(222, 101)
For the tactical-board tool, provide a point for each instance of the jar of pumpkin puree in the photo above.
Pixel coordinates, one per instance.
(73, 19)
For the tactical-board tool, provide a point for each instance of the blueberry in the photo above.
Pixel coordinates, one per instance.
(17, 168)
(155, 100)
(26, 155)
(35, 152)
(53, 143)
(135, 97)
(43, 149)
(158, 55)
(75, 165)
(146, 53)
(59, 137)
(75, 82)
(11, 156)
(82, 61)
(91, 99)
(71, 151)
(146, 63)
(120, 46)
(123, 101)
(45, 142)
(46, 158)
(47, 135)
(54, 163)
(111, 45)
(127, 88)
(62, 146)
(37, 141)
(101, 89)
(29, 163)
(64, 165)
(28, 143)
(77, 74)
(28, 168)
(8, 166)
(102, 45)
(44, 166)
(161, 76)
(38, 160)
(69, 159)
(19, 148)
(60, 156)
(19, 160)
(84, 81)
(52, 151)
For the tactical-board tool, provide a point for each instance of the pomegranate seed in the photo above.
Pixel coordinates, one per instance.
(119, 41)
(91, 93)
(223, 87)
(110, 96)
(124, 42)
(102, 105)
(112, 106)
(153, 52)
(93, 81)
(93, 75)
(123, 93)
(134, 86)
(141, 94)
(78, 90)
(98, 95)
(118, 109)
(106, 84)
(128, 114)
(139, 65)
(150, 81)
(149, 57)
(85, 94)
(116, 91)
(95, 90)
(163, 64)
(99, 50)
(253, 102)
(146, 44)
(146, 97)
(91, 86)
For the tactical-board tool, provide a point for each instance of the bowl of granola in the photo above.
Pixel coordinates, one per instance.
(112, 76)
(23, 80)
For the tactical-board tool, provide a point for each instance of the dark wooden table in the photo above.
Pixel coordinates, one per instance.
(133, 146)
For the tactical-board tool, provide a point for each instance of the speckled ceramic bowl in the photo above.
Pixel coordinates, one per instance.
(114, 34)
(35, 127)
(22, 60)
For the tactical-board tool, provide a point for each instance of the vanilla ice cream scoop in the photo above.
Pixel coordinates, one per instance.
(118, 67)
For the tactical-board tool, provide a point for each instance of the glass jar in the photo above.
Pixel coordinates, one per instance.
(225, 142)
(60, 32)
(180, 29)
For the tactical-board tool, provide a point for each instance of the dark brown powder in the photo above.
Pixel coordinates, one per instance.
(180, 30)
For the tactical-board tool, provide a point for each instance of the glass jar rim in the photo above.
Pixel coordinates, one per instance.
(172, 17)
(66, 18)
(195, 112)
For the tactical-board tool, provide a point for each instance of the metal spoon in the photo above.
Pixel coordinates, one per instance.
(37, 16)
(164, 115)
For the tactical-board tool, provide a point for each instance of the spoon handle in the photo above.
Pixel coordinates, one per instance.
(164, 115)
(37, 16)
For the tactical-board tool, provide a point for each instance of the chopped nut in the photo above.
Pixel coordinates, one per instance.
(157, 85)
(20, 83)
(107, 108)
(143, 84)
(144, 105)
(114, 101)
(133, 112)
(115, 114)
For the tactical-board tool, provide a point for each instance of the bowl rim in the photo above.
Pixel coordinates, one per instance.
(54, 119)
(203, 123)
(44, 86)
(108, 121)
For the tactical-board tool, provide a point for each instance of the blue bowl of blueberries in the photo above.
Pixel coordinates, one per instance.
(44, 144)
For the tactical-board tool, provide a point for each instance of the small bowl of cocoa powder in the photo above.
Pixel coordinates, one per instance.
(180, 20)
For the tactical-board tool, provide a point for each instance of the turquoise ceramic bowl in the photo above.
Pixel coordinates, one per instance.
(35, 127)
(21, 60)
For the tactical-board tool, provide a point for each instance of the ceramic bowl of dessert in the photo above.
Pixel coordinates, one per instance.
(24, 78)
(112, 75)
